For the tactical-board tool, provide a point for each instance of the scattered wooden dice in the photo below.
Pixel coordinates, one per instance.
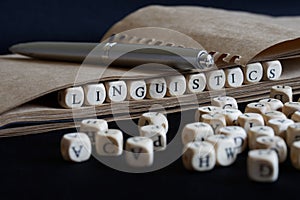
(92, 126)
(109, 142)
(197, 131)
(76, 147)
(139, 151)
(154, 118)
(220, 132)
(275, 143)
(258, 131)
(249, 120)
(225, 148)
(262, 165)
(239, 136)
(199, 156)
(157, 134)
(282, 92)
(257, 107)
(295, 154)
(224, 102)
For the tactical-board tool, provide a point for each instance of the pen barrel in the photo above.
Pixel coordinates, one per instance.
(176, 57)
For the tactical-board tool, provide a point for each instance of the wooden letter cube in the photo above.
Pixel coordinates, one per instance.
(234, 77)
(199, 156)
(225, 149)
(92, 126)
(116, 91)
(273, 115)
(139, 151)
(215, 79)
(156, 88)
(76, 147)
(289, 108)
(238, 134)
(258, 131)
(282, 92)
(94, 94)
(224, 102)
(295, 154)
(262, 165)
(176, 85)
(280, 126)
(274, 104)
(109, 142)
(154, 118)
(71, 97)
(253, 73)
(206, 110)
(136, 90)
(249, 120)
(292, 133)
(157, 134)
(275, 143)
(296, 116)
(196, 83)
(197, 131)
(272, 70)
(231, 116)
(256, 107)
(216, 121)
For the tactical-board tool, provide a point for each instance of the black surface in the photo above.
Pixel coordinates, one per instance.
(32, 167)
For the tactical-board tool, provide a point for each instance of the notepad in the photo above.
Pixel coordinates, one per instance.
(29, 87)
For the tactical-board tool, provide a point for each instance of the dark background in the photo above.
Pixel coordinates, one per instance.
(31, 166)
(88, 20)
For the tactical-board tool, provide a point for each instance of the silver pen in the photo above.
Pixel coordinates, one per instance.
(128, 55)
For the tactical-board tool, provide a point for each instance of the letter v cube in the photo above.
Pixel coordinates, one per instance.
(139, 151)
(76, 147)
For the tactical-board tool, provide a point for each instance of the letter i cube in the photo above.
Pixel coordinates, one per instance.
(76, 147)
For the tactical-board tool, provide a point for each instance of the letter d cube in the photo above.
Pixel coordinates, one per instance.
(262, 165)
